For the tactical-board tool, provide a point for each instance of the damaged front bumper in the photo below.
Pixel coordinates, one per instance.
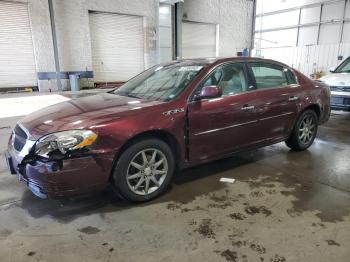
(36, 190)
(60, 178)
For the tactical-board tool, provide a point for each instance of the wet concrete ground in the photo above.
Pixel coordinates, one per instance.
(284, 206)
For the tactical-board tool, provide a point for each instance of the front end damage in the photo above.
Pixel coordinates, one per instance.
(73, 172)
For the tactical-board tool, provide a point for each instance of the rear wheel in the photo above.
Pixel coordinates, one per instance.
(304, 131)
(144, 170)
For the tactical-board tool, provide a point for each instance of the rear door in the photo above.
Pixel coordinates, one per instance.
(277, 99)
(222, 125)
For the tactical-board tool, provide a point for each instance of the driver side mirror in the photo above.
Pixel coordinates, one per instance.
(332, 69)
(209, 92)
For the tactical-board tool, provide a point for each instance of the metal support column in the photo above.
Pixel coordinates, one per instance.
(298, 32)
(319, 25)
(346, 2)
(55, 48)
(178, 29)
(253, 28)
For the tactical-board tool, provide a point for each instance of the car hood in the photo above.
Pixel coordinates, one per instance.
(337, 79)
(87, 112)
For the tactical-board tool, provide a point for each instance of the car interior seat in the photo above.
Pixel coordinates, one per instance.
(233, 82)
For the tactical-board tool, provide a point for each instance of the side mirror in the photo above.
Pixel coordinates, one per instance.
(332, 69)
(209, 92)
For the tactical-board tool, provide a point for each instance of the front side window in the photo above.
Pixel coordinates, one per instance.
(344, 67)
(162, 83)
(270, 75)
(230, 77)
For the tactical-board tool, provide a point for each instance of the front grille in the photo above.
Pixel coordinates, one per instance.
(20, 138)
(340, 88)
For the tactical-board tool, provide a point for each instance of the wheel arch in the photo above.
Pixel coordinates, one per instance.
(314, 107)
(165, 136)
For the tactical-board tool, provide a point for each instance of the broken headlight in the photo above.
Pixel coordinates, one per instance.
(64, 141)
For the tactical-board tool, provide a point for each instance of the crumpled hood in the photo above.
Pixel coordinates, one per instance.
(337, 79)
(82, 113)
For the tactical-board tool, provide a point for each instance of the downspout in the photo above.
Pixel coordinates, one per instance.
(55, 48)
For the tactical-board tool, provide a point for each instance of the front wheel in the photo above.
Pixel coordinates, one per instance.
(144, 170)
(304, 131)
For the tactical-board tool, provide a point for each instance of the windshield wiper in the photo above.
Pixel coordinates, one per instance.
(126, 94)
(133, 96)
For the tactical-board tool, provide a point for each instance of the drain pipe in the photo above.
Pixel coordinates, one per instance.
(55, 48)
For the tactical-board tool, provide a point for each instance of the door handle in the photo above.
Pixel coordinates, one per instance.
(293, 98)
(247, 107)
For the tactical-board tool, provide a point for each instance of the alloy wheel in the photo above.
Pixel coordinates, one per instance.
(147, 171)
(307, 129)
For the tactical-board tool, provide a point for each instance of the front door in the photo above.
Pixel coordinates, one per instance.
(222, 125)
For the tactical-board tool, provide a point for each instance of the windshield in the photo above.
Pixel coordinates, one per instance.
(162, 83)
(344, 67)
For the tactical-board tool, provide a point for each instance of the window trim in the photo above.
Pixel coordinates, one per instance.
(249, 65)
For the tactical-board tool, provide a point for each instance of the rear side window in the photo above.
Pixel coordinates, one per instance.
(290, 77)
(270, 75)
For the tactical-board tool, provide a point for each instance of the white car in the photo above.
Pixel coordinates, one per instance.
(339, 83)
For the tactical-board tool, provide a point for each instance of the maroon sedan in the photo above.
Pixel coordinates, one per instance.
(171, 116)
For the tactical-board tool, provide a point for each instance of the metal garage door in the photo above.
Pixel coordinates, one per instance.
(198, 40)
(17, 64)
(117, 46)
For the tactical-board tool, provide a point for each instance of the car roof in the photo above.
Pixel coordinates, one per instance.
(218, 60)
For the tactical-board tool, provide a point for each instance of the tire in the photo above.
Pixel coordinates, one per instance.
(304, 131)
(136, 166)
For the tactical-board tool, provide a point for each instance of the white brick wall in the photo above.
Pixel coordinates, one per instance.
(233, 16)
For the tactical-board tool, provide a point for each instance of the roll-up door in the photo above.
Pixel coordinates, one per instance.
(117, 45)
(198, 40)
(17, 63)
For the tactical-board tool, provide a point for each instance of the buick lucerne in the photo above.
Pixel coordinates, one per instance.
(169, 117)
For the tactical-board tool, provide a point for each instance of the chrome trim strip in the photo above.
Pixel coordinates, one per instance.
(223, 128)
(271, 117)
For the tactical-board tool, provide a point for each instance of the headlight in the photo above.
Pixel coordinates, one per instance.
(64, 141)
